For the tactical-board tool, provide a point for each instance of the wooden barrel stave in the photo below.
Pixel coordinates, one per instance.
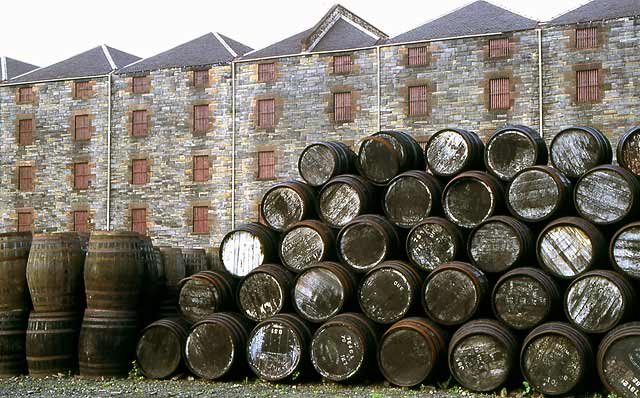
(576, 149)
(52, 342)
(538, 193)
(247, 247)
(513, 148)
(500, 243)
(13, 326)
(386, 154)
(433, 242)
(366, 242)
(628, 150)
(471, 197)
(306, 243)
(286, 203)
(205, 293)
(452, 151)
(321, 161)
(14, 254)
(195, 260)
(159, 351)
(616, 360)
(264, 292)
(344, 198)
(411, 197)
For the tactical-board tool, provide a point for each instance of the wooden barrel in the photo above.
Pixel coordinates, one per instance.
(264, 292)
(525, 297)
(323, 291)
(624, 250)
(160, 348)
(389, 291)
(277, 348)
(195, 260)
(154, 281)
(247, 247)
(471, 197)
(628, 150)
(596, 301)
(321, 161)
(345, 347)
(538, 193)
(453, 292)
(556, 358)
(306, 243)
(13, 326)
(14, 253)
(452, 151)
(483, 355)
(366, 242)
(411, 197)
(173, 265)
(570, 246)
(113, 271)
(607, 195)
(386, 154)
(344, 198)
(205, 293)
(617, 362)
(513, 148)
(216, 346)
(168, 294)
(433, 242)
(412, 351)
(500, 243)
(286, 203)
(577, 149)
(107, 343)
(52, 342)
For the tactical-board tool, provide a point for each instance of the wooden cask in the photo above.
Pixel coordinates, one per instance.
(172, 264)
(278, 347)
(321, 161)
(453, 293)
(52, 342)
(452, 151)
(596, 301)
(525, 297)
(195, 260)
(483, 355)
(345, 348)
(14, 255)
(513, 148)
(500, 243)
(366, 242)
(412, 351)
(628, 150)
(624, 250)
(577, 149)
(13, 326)
(539, 193)
(323, 291)
(386, 154)
(556, 358)
(433, 242)
(160, 348)
(411, 197)
(306, 243)
(205, 293)
(286, 203)
(390, 291)
(471, 197)
(344, 198)
(570, 246)
(617, 363)
(247, 247)
(265, 292)
(153, 282)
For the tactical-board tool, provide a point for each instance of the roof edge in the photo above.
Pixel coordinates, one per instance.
(3, 68)
(108, 56)
(225, 44)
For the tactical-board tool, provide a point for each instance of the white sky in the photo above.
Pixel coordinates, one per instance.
(46, 31)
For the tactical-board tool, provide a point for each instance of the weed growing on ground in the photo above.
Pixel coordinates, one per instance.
(527, 388)
(135, 373)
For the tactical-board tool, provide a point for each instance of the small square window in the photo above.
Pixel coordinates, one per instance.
(25, 95)
(587, 86)
(499, 93)
(140, 84)
(25, 221)
(200, 219)
(139, 171)
(81, 175)
(418, 101)
(25, 131)
(140, 126)
(83, 90)
(25, 178)
(342, 107)
(201, 118)
(139, 221)
(586, 38)
(342, 64)
(266, 113)
(266, 165)
(201, 78)
(200, 168)
(81, 221)
(499, 48)
(267, 72)
(418, 56)
(82, 125)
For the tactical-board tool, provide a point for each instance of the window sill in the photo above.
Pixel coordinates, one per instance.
(266, 178)
(200, 233)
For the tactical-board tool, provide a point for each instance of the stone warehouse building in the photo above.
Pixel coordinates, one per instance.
(182, 144)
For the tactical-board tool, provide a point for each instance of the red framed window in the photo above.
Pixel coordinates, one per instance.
(267, 72)
(499, 93)
(201, 118)
(25, 94)
(201, 78)
(25, 178)
(342, 107)
(266, 165)
(140, 126)
(200, 219)
(499, 48)
(586, 38)
(418, 56)
(82, 126)
(81, 221)
(139, 171)
(140, 84)
(83, 89)
(266, 113)
(587, 86)
(200, 168)
(25, 221)
(139, 221)
(342, 64)
(418, 101)
(25, 131)
(81, 175)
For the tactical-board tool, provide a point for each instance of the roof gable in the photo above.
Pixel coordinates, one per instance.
(597, 10)
(10, 68)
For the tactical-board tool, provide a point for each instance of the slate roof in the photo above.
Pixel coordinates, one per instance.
(344, 35)
(10, 68)
(479, 17)
(598, 10)
(208, 49)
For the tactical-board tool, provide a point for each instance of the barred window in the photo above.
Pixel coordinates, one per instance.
(200, 219)
(342, 64)
(499, 48)
(140, 127)
(81, 175)
(587, 87)
(201, 78)
(266, 113)
(200, 168)
(139, 171)
(499, 93)
(25, 178)
(83, 90)
(418, 56)
(267, 72)
(25, 221)
(25, 94)
(139, 221)
(25, 131)
(342, 107)
(82, 132)
(266, 165)
(418, 102)
(81, 221)
(201, 118)
(586, 38)
(140, 84)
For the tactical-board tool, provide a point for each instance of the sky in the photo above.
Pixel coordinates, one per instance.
(42, 32)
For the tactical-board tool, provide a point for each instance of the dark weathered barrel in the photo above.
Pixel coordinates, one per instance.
(525, 297)
(107, 343)
(556, 358)
(538, 193)
(277, 348)
(195, 260)
(366, 242)
(305, 243)
(617, 362)
(264, 292)
(453, 292)
(628, 150)
(389, 291)
(286, 203)
(570, 246)
(321, 161)
(113, 271)
(624, 250)
(344, 198)
(452, 151)
(154, 282)
(323, 290)
(500, 243)
(345, 348)
(52, 342)
(577, 149)
(596, 301)
(205, 293)
(213, 257)
(483, 355)
(13, 326)
(513, 148)
(433, 242)
(386, 154)
(471, 197)
(216, 346)
(411, 197)
(607, 195)
(412, 351)
(172, 264)
(14, 253)
(160, 348)
(247, 247)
